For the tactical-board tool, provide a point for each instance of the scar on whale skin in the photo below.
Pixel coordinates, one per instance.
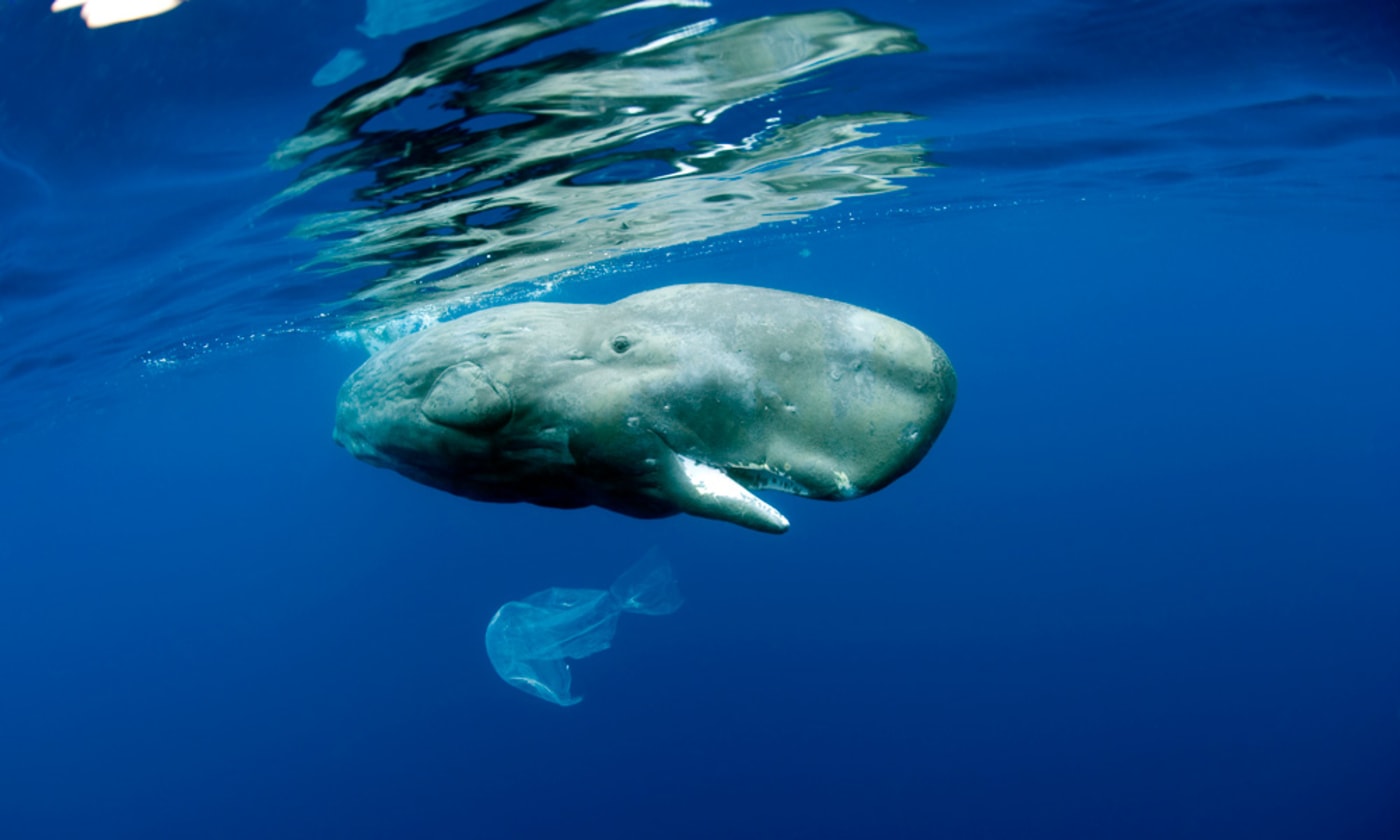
(683, 399)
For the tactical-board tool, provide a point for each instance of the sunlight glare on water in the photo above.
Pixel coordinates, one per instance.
(589, 155)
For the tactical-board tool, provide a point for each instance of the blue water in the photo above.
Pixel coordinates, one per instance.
(1145, 585)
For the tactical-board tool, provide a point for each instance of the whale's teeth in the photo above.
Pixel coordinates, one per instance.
(766, 477)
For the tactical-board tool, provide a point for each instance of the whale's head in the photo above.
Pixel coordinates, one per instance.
(537, 402)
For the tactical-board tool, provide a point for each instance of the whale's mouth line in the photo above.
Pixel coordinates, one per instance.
(747, 474)
(764, 477)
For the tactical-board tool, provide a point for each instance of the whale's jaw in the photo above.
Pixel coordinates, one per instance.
(704, 490)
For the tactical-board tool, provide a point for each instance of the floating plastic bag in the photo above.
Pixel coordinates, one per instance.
(528, 641)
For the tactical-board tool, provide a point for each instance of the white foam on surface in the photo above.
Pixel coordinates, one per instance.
(100, 13)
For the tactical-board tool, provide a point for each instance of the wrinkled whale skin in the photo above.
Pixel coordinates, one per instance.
(678, 399)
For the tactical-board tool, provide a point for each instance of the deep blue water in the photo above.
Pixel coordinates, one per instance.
(1146, 584)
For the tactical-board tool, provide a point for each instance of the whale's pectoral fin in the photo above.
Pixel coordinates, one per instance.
(466, 397)
(702, 490)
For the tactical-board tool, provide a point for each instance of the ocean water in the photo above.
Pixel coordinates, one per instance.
(1145, 585)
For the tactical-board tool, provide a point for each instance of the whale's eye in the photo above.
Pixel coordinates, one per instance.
(621, 344)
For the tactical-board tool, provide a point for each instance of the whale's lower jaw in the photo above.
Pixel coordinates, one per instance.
(704, 490)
